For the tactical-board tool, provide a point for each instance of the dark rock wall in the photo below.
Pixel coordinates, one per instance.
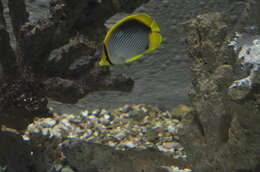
(51, 57)
(222, 134)
(14, 151)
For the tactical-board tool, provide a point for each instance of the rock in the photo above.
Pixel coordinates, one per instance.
(70, 91)
(37, 9)
(48, 61)
(19, 15)
(180, 111)
(67, 169)
(65, 20)
(220, 134)
(14, 152)
(20, 102)
(238, 93)
(72, 60)
(91, 142)
(7, 59)
(84, 156)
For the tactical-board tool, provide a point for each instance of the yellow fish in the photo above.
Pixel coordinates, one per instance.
(129, 39)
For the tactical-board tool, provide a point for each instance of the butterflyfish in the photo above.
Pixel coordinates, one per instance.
(129, 39)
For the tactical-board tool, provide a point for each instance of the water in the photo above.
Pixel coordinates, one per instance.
(162, 77)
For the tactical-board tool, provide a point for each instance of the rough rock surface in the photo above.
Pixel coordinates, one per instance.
(101, 158)
(51, 57)
(14, 152)
(223, 134)
(22, 100)
(79, 155)
(21, 97)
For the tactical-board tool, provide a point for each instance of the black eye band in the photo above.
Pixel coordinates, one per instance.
(106, 53)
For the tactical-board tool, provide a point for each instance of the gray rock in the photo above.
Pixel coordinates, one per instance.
(221, 134)
(84, 156)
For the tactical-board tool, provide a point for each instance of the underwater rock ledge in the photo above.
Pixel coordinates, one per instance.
(220, 134)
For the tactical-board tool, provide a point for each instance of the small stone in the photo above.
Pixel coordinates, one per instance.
(112, 144)
(176, 169)
(167, 114)
(125, 109)
(172, 129)
(70, 117)
(96, 112)
(104, 112)
(184, 156)
(65, 122)
(120, 136)
(130, 144)
(171, 145)
(144, 110)
(72, 136)
(92, 117)
(57, 167)
(96, 133)
(179, 126)
(26, 138)
(162, 149)
(48, 123)
(175, 121)
(85, 113)
(67, 169)
(151, 135)
(56, 132)
(130, 115)
(107, 117)
(45, 132)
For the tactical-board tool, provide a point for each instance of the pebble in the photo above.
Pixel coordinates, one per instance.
(130, 144)
(107, 117)
(172, 129)
(85, 113)
(130, 126)
(66, 169)
(96, 112)
(130, 115)
(125, 109)
(170, 145)
(144, 110)
(57, 167)
(65, 122)
(176, 169)
(104, 112)
(48, 123)
(92, 117)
